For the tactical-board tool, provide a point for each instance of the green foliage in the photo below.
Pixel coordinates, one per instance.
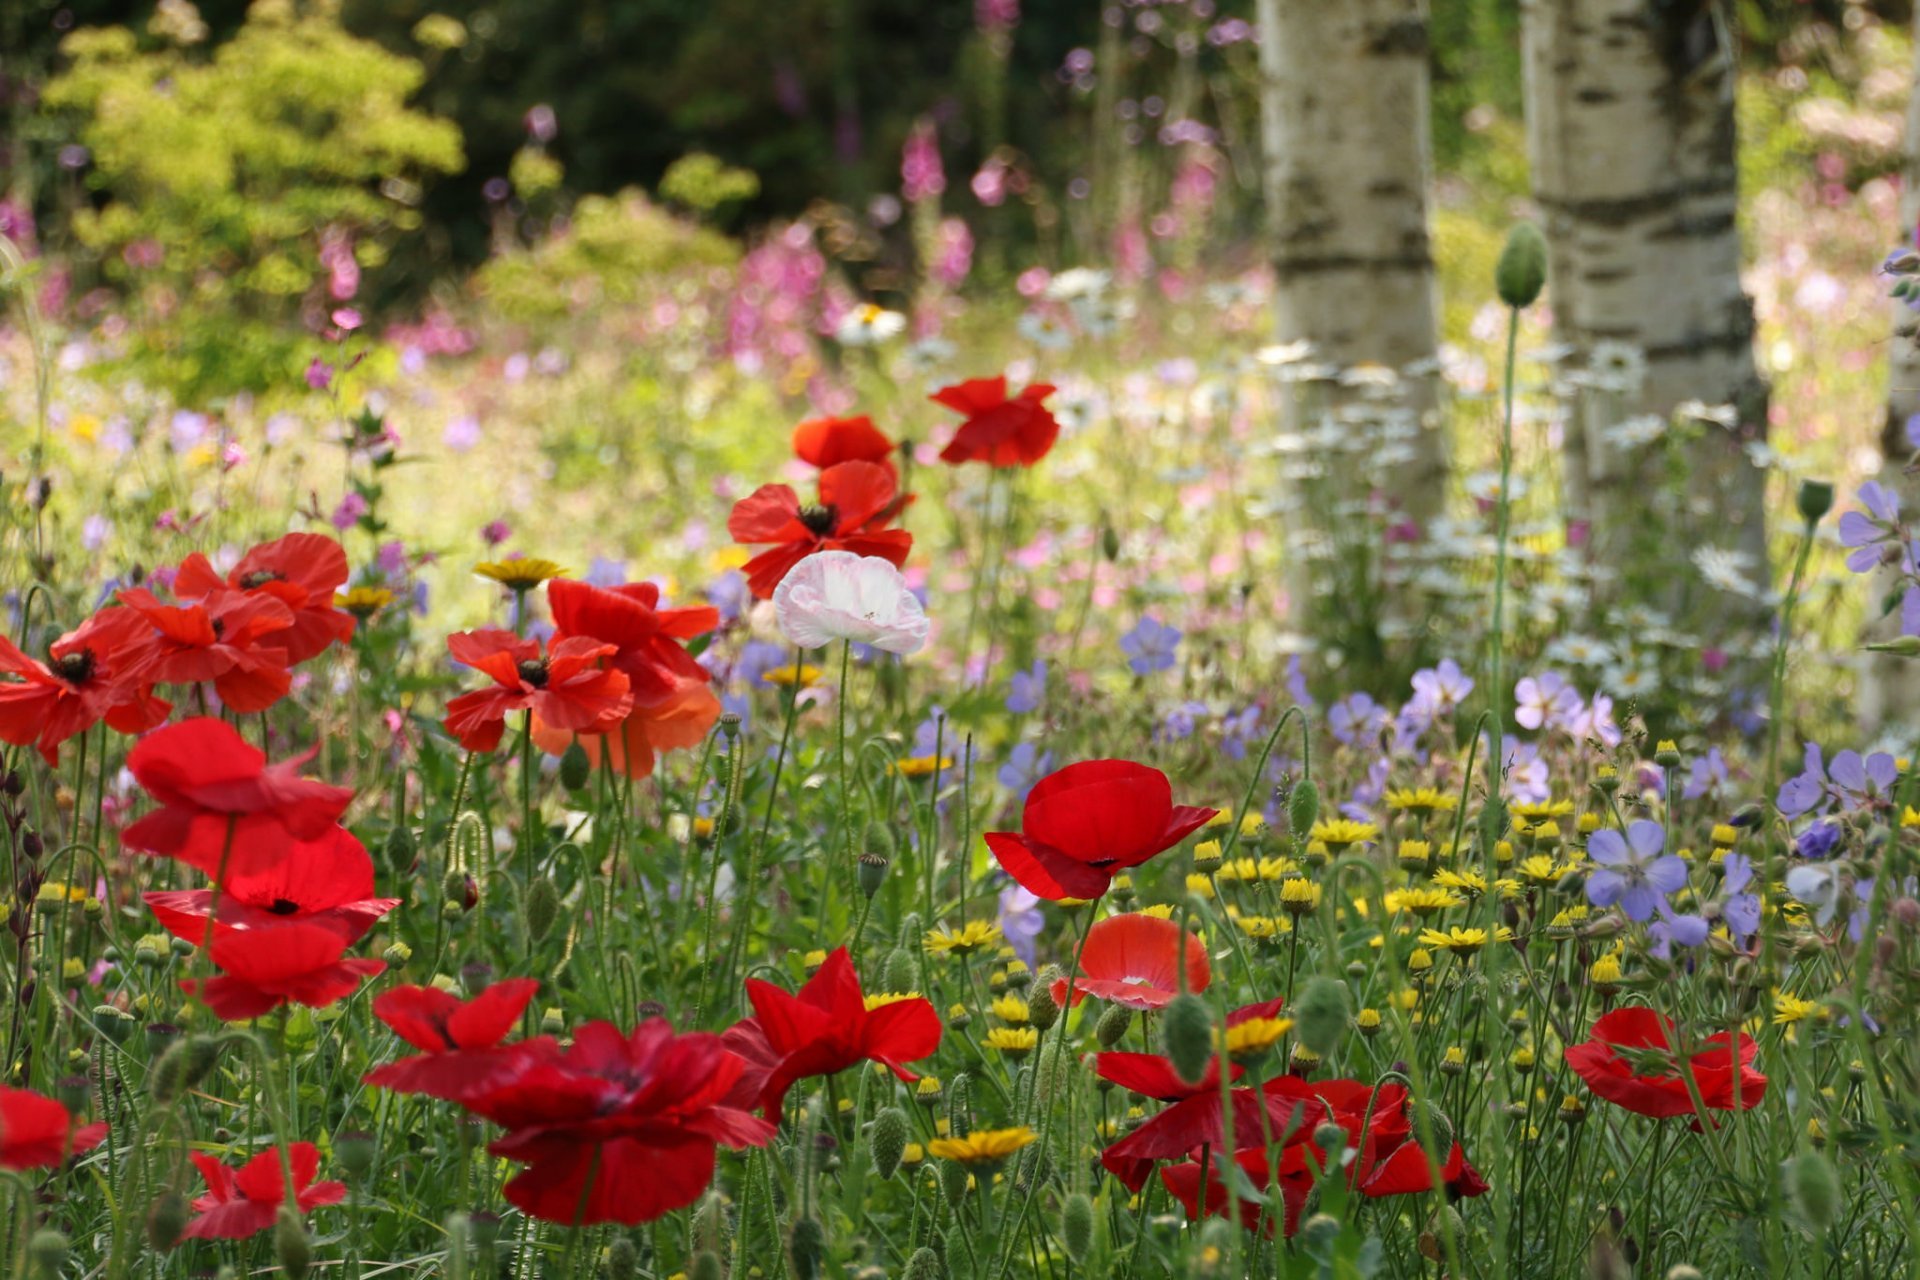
(229, 170)
(706, 183)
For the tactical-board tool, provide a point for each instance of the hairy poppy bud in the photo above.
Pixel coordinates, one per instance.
(923, 1265)
(888, 1141)
(290, 1244)
(953, 1182)
(710, 1222)
(1330, 1138)
(542, 906)
(1303, 807)
(1521, 272)
(1186, 1033)
(47, 1251)
(807, 1244)
(182, 1067)
(1814, 1189)
(400, 847)
(623, 1259)
(354, 1151)
(706, 1266)
(1320, 1230)
(1076, 1225)
(1109, 541)
(1042, 1012)
(166, 1219)
(901, 972)
(1322, 1014)
(1113, 1025)
(576, 771)
(872, 873)
(461, 889)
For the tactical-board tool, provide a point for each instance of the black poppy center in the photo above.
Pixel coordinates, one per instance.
(819, 519)
(219, 626)
(283, 907)
(260, 578)
(74, 668)
(534, 673)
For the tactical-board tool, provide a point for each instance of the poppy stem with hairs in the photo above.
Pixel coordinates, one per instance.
(766, 823)
(526, 812)
(846, 794)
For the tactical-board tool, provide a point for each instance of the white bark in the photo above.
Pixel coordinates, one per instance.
(1630, 128)
(1344, 113)
(1890, 686)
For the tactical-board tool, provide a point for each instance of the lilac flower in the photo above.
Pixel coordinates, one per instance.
(603, 571)
(391, 559)
(1441, 689)
(462, 434)
(1910, 612)
(1818, 840)
(1739, 908)
(1354, 717)
(319, 374)
(1595, 721)
(1807, 789)
(1632, 871)
(1544, 701)
(1527, 777)
(1021, 921)
(1861, 781)
(1706, 775)
(1240, 731)
(1297, 683)
(1864, 532)
(1672, 927)
(1817, 887)
(1361, 805)
(1026, 764)
(348, 513)
(1182, 719)
(757, 657)
(94, 532)
(729, 594)
(1027, 689)
(1150, 646)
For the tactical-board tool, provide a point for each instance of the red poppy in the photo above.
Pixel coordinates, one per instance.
(826, 442)
(229, 638)
(1135, 960)
(1086, 823)
(649, 642)
(999, 430)
(1284, 1113)
(1642, 1032)
(857, 502)
(88, 678)
(1388, 1158)
(244, 1202)
(463, 1055)
(328, 882)
(567, 688)
(827, 1027)
(679, 720)
(301, 570)
(1182, 1181)
(36, 1132)
(285, 962)
(220, 796)
(618, 1128)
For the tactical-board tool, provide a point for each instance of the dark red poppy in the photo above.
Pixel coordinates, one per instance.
(301, 570)
(37, 1132)
(827, 1027)
(328, 882)
(1086, 823)
(999, 430)
(215, 791)
(1640, 1031)
(857, 502)
(826, 442)
(1135, 960)
(618, 1128)
(1182, 1181)
(463, 1054)
(89, 676)
(244, 1202)
(230, 639)
(566, 688)
(1285, 1114)
(286, 962)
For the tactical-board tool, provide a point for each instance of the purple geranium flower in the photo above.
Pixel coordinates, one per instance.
(1739, 908)
(1026, 764)
(1027, 689)
(1356, 716)
(1545, 701)
(1866, 531)
(1150, 646)
(1021, 921)
(1632, 870)
(1706, 775)
(1439, 690)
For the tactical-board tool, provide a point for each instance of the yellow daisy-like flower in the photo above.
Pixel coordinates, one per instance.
(1221, 817)
(1239, 869)
(1264, 926)
(1159, 911)
(983, 1146)
(920, 766)
(1788, 1009)
(1255, 1035)
(813, 960)
(1415, 854)
(1299, 895)
(1015, 1042)
(1471, 883)
(1606, 971)
(1277, 868)
(1011, 1009)
(1338, 833)
(1422, 901)
(1541, 869)
(522, 573)
(1422, 800)
(802, 674)
(1420, 961)
(1725, 835)
(912, 1154)
(964, 941)
(1367, 1022)
(1200, 885)
(1588, 824)
(1910, 816)
(1462, 942)
(881, 999)
(363, 602)
(1252, 824)
(1531, 811)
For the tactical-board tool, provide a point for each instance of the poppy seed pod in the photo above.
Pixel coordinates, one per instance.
(888, 1140)
(1521, 273)
(290, 1244)
(1814, 499)
(1322, 1014)
(1076, 1225)
(1042, 1012)
(400, 847)
(1186, 1033)
(872, 873)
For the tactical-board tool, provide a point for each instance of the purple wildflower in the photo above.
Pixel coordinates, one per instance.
(1632, 870)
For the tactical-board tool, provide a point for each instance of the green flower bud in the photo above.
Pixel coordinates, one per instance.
(290, 1244)
(1109, 541)
(1319, 1231)
(182, 1068)
(710, 1222)
(1042, 1012)
(706, 1266)
(1186, 1035)
(1113, 1025)
(1521, 272)
(623, 1259)
(1076, 1225)
(400, 847)
(543, 907)
(47, 1253)
(1814, 499)
(1303, 807)
(888, 1140)
(1814, 1189)
(807, 1244)
(166, 1219)
(576, 771)
(901, 972)
(354, 1152)
(1321, 1016)
(923, 1265)
(953, 1181)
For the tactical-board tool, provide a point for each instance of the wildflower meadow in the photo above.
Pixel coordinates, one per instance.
(1184, 639)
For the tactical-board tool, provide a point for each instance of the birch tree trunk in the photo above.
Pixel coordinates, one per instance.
(1344, 114)
(1630, 129)
(1890, 686)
